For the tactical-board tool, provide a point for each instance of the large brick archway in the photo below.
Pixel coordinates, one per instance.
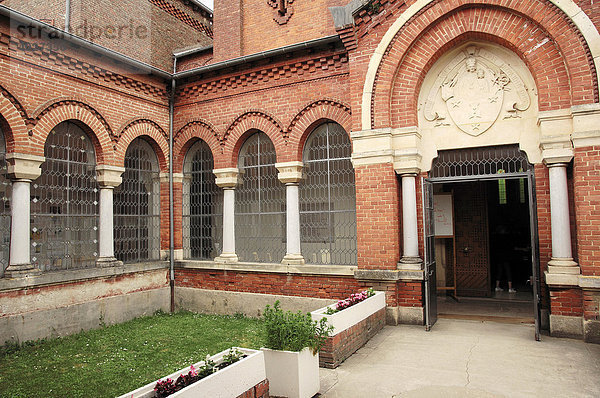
(560, 56)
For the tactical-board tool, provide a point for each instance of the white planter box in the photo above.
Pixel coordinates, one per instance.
(292, 374)
(349, 317)
(230, 382)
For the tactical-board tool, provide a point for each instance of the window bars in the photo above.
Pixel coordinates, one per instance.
(137, 206)
(64, 202)
(5, 195)
(259, 204)
(202, 205)
(328, 198)
(480, 162)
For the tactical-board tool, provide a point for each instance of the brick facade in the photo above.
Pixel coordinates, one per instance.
(288, 94)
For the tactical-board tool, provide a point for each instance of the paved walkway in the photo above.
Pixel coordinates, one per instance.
(466, 359)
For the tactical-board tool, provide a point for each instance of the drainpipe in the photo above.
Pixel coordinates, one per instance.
(68, 16)
(171, 226)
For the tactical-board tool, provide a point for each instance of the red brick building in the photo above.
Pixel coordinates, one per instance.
(314, 147)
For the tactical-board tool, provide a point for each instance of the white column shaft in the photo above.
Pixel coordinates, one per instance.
(559, 213)
(106, 238)
(229, 221)
(293, 219)
(409, 216)
(20, 225)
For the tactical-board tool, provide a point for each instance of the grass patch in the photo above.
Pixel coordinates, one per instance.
(110, 361)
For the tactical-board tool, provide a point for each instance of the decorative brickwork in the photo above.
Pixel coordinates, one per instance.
(338, 348)
(183, 17)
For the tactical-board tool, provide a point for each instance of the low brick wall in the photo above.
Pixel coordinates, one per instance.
(261, 390)
(339, 347)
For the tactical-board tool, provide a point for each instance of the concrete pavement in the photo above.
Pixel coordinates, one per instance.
(466, 359)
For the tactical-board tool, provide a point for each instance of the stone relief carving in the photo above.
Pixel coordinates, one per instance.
(474, 90)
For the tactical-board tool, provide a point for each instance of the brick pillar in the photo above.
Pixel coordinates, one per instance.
(178, 216)
(164, 216)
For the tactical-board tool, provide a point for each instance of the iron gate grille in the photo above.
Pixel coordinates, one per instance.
(137, 206)
(5, 194)
(328, 198)
(202, 205)
(260, 203)
(480, 162)
(64, 204)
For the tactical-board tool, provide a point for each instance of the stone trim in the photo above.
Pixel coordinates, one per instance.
(24, 166)
(109, 176)
(289, 172)
(227, 177)
(70, 276)
(389, 275)
(271, 268)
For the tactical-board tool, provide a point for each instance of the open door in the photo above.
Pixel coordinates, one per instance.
(535, 259)
(429, 266)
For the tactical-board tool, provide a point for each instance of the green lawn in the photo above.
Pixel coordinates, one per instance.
(113, 360)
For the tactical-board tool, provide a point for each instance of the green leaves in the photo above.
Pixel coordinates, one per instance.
(289, 331)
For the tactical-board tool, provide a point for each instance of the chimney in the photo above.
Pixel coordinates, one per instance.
(227, 27)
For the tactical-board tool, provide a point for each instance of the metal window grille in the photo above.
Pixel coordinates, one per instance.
(137, 206)
(260, 203)
(5, 195)
(64, 202)
(202, 205)
(328, 198)
(480, 162)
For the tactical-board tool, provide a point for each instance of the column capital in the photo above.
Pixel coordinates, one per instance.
(22, 166)
(290, 172)
(109, 176)
(164, 178)
(556, 149)
(227, 178)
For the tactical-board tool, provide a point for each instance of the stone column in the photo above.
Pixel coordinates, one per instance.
(562, 255)
(227, 179)
(290, 173)
(22, 169)
(109, 177)
(410, 234)
(557, 153)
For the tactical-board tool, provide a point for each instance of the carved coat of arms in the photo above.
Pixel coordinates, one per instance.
(473, 90)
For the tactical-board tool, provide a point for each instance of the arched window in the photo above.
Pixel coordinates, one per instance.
(328, 198)
(137, 206)
(64, 202)
(259, 203)
(5, 195)
(202, 205)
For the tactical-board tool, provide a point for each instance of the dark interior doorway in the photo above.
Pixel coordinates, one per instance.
(492, 247)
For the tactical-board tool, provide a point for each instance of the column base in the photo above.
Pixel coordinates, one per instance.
(293, 259)
(105, 262)
(563, 266)
(413, 263)
(226, 258)
(21, 271)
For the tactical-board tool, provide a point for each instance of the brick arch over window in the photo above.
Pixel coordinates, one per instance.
(243, 126)
(12, 119)
(56, 112)
(409, 47)
(310, 117)
(187, 136)
(155, 137)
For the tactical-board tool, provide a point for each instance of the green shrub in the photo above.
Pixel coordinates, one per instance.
(289, 331)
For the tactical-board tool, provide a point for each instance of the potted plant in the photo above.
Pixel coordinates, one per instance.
(354, 320)
(293, 341)
(229, 373)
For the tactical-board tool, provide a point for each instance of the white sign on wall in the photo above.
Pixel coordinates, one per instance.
(443, 215)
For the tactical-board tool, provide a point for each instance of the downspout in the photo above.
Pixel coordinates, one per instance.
(171, 226)
(68, 16)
